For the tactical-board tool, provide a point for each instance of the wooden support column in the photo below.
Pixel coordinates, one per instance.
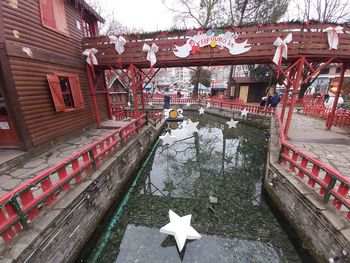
(12, 101)
(286, 94)
(107, 93)
(134, 91)
(93, 95)
(296, 84)
(335, 102)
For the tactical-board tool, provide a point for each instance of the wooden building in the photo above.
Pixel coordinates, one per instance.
(249, 90)
(118, 92)
(44, 91)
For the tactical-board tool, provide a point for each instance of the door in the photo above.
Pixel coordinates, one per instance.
(243, 93)
(8, 137)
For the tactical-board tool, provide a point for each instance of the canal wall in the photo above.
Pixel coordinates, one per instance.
(321, 229)
(61, 231)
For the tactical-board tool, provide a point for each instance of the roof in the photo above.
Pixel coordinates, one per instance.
(87, 8)
(114, 79)
(241, 80)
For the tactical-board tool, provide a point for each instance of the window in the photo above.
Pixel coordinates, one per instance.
(89, 28)
(99, 80)
(53, 16)
(65, 91)
(338, 70)
(324, 71)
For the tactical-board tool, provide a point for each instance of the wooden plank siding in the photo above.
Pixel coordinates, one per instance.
(51, 52)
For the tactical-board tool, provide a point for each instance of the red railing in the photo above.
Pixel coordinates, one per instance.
(328, 183)
(24, 203)
(341, 116)
(173, 101)
(239, 106)
(154, 117)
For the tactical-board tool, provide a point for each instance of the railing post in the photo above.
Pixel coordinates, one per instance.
(328, 190)
(23, 219)
(146, 118)
(92, 157)
(280, 153)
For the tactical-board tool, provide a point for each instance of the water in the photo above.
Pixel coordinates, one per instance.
(214, 174)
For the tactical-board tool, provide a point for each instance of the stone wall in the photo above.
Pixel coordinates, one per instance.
(321, 229)
(63, 229)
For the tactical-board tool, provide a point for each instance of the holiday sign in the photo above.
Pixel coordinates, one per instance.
(212, 38)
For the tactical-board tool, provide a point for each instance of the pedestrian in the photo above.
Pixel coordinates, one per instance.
(166, 100)
(274, 100)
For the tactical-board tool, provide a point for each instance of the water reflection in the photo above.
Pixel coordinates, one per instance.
(217, 162)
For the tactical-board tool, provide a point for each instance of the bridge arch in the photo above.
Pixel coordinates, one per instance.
(296, 51)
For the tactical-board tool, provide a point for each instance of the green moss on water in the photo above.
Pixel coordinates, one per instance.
(227, 164)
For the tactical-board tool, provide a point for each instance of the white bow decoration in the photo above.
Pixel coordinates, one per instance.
(119, 43)
(91, 58)
(282, 49)
(151, 55)
(332, 34)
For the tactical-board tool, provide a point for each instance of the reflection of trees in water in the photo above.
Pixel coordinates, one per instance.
(224, 165)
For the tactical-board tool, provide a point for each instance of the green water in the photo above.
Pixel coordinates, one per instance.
(186, 177)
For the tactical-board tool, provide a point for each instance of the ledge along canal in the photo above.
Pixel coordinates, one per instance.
(214, 174)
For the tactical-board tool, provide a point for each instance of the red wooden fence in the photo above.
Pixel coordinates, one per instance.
(24, 203)
(332, 186)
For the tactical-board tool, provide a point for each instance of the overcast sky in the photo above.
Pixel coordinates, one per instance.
(150, 15)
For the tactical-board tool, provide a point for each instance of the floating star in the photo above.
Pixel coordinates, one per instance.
(232, 123)
(150, 104)
(208, 105)
(167, 139)
(192, 126)
(244, 112)
(180, 228)
(201, 111)
(188, 104)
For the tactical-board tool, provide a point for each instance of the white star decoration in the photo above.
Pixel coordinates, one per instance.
(150, 104)
(244, 112)
(232, 123)
(192, 126)
(188, 105)
(180, 228)
(201, 111)
(167, 138)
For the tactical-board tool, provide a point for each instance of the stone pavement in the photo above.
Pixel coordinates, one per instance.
(13, 177)
(332, 147)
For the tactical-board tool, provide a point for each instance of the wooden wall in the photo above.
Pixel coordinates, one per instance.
(51, 52)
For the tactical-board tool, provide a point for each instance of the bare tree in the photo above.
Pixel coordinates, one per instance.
(337, 11)
(202, 14)
(111, 26)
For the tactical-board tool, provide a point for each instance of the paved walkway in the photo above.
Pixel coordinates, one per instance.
(13, 177)
(330, 147)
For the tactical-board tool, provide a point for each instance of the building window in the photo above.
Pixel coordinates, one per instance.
(89, 29)
(65, 91)
(338, 70)
(324, 71)
(53, 16)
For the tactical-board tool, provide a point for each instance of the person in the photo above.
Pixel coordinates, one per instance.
(178, 94)
(328, 103)
(166, 100)
(274, 100)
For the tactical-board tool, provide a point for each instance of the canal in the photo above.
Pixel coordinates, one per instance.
(214, 174)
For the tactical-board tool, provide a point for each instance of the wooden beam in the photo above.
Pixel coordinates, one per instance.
(14, 49)
(13, 105)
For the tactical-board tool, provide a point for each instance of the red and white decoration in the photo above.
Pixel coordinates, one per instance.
(91, 58)
(332, 35)
(151, 53)
(119, 43)
(282, 49)
(227, 40)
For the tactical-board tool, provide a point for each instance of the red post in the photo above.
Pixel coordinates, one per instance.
(134, 91)
(286, 94)
(335, 103)
(93, 95)
(295, 90)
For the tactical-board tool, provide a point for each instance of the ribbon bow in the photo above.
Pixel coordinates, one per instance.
(119, 43)
(91, 58)
(332, 34)
(151, 55)
(282, 49)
